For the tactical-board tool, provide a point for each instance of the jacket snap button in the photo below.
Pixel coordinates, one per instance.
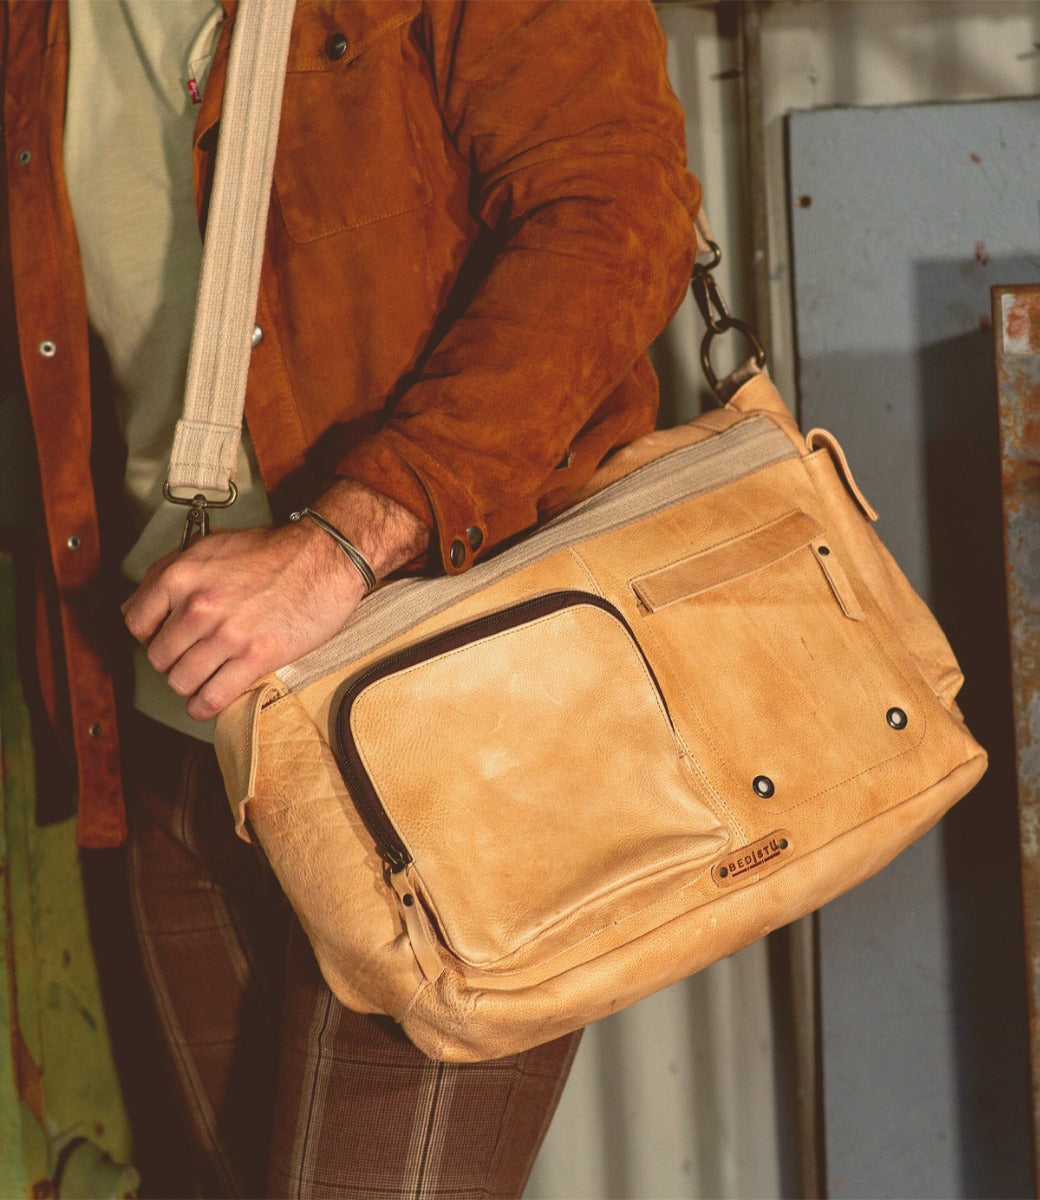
(74, 541)
(474, 537)
(896, 718)
(457, 553)
(95, 730)
(25, 157)
(335, 46)
(48, 349)
(763, 786)
(258, 336)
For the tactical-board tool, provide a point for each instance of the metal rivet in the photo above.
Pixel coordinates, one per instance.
(824, 550)
(475, 537)
(763, 786)
(457, 553)
(25, 157)
(723, 872)
(74, 541)
(95, 730)
(258, 336)
(335, 46)
(408, 900)
(897, 718)
(784, 843)
(48, 348)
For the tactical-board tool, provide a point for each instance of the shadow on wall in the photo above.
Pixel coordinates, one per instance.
(963, 583)
(981, 841)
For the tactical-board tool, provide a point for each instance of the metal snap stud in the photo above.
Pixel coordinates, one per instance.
(258, 336)
(897, 718)
(335, 46)
(763, 786)
(723, 872)
(95, 730)
(457, 553)
(48, 348)
(74, 541)
(25, 157)
(823, 550)
(474, 537)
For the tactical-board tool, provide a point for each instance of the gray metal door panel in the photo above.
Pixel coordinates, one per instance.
(902, 218)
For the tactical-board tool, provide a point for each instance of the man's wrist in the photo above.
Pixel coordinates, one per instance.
(385, 534)
(354, 556)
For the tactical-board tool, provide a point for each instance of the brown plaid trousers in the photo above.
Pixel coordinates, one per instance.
(287, 1093)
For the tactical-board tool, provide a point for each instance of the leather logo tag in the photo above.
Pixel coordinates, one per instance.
(759, 857)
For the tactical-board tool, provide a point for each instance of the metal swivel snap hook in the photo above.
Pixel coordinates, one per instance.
(718, 319)
(196, 523)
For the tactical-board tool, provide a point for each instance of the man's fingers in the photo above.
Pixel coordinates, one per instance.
(227, 684)
(200, 615)
(220, 666)
(146, 610)
(194, 667)
(150, 576)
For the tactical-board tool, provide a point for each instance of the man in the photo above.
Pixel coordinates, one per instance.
(480, 220)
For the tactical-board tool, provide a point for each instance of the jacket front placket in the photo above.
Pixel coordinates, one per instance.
(50, 305)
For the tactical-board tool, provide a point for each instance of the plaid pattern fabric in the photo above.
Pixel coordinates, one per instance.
(286, 1092)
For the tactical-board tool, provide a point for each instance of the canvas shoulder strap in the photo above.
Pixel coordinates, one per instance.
(206, 441)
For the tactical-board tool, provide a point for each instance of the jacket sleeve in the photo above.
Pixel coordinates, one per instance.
(576, 145)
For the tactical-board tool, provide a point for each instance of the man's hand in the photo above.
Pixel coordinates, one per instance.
(236, 605)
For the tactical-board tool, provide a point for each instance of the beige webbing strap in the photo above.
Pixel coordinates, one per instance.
(205, 446)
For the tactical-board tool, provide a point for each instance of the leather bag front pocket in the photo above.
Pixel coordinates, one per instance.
(524, 770)
(777, 668)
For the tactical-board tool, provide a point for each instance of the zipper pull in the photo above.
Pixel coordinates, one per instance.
(395, 859)
(422, 943)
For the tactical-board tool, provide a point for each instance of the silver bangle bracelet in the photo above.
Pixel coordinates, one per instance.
(347, 546)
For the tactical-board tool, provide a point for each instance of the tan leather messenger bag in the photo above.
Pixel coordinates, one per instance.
(696, 705)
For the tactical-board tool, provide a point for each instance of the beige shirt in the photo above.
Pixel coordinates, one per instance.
(136, 73)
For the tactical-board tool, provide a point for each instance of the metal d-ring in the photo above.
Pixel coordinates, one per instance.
(196, 523)
(724, 326)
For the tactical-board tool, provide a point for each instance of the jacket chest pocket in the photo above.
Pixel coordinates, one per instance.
(346, 156)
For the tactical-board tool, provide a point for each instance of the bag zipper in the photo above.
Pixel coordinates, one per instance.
(752, 445)
(389, 842)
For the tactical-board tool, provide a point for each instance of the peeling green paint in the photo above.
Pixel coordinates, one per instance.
(57, 1079)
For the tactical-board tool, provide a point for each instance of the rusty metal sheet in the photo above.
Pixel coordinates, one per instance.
(1016, 325)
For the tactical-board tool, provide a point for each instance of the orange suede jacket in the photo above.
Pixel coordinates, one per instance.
(481, 219)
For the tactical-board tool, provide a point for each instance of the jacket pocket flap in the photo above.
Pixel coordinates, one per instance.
(358, 24)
